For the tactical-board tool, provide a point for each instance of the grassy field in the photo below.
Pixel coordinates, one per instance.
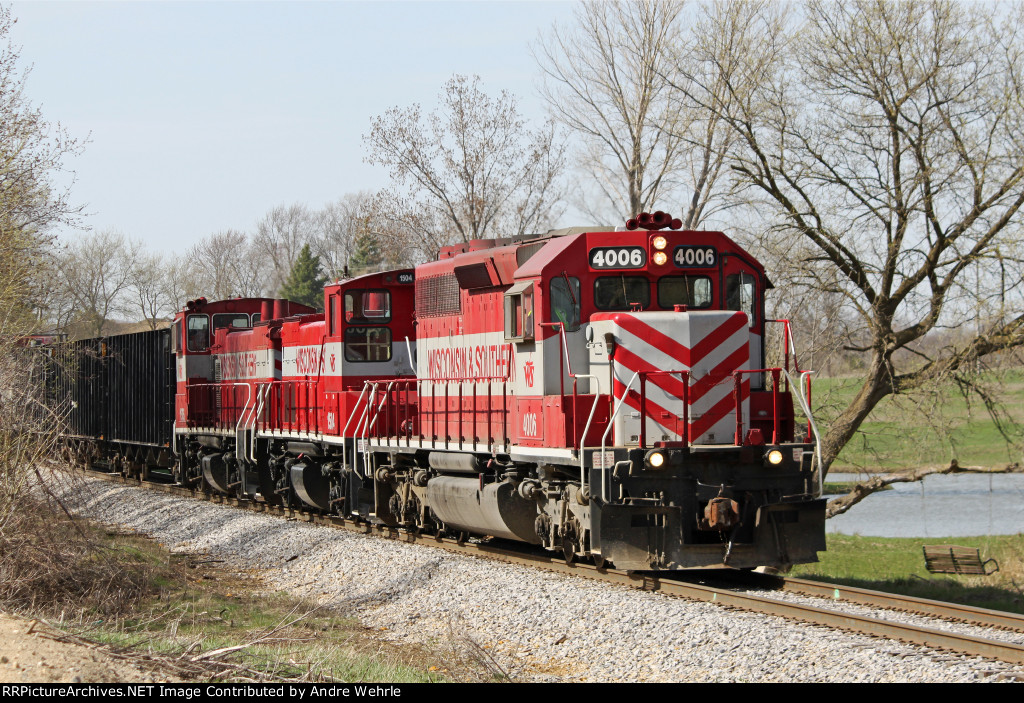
(929, 428)
(897, 566)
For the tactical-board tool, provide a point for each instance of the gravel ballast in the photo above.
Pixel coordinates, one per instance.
(538, 625)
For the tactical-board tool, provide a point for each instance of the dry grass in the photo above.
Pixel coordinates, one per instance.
(50, 565)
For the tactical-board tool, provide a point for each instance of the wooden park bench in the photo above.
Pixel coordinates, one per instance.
(945, 559)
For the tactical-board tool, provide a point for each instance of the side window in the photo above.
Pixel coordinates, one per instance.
(565, 302)
(367, 306)
(332, 316)
(198, 333)
(176, 337)
(739, 294)
(519, 312)
(367, 344)
(621, 292)
(230, 319)
(691, 291)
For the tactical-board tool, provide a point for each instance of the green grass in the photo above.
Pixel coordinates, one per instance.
(929, 428)
(896, 565)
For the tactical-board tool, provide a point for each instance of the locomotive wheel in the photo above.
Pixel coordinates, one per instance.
(599, 561)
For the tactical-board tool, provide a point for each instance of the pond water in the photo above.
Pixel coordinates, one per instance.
(956, 505)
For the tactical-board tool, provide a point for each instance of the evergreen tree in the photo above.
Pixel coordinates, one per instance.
(367, 256)
(306, 281)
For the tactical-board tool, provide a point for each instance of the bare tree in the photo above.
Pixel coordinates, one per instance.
(147, 289)
(280, 236)
(884, 143)
(225, 265)
(180, 281)
(32, 153)
(95, 272)
(609, 80)
(470, 170)
(338, 227)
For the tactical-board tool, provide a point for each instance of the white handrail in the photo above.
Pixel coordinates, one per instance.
(604, 437)
(262, 391)
(369, 425)
(805, 378)
(590, 419)
(364, 420)
(593, 407)
(408, 349)
(344, 431)
(245, 408)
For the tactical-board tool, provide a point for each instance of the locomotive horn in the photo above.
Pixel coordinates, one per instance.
(661, 219)
(631, 223)
(645, 220)
(676, 224)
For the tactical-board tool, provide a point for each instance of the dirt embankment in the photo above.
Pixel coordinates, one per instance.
(30, 652)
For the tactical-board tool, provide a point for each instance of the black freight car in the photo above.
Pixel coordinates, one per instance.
(119, 391)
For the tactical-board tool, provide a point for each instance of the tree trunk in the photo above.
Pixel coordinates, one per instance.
(877, 385)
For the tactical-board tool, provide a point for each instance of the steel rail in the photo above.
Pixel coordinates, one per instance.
(912, 634)
(879, 599)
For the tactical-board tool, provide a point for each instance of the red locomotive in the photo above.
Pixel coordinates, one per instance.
(600, 393)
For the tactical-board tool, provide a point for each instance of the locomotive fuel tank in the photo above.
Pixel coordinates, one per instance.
(494, 509)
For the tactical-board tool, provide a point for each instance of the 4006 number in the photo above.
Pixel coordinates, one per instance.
(618, 258)
(689, 256)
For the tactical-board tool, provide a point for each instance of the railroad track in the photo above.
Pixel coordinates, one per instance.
(733, 595)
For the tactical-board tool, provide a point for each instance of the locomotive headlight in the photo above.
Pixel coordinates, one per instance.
(773, 457)
(660, 258)
(655, 459)
(659, 242)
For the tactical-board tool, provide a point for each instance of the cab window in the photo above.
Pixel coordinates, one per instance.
(230, 319)
(198, 333)
(565, 302)
(739, 294)
(621, 292)
(691, 291)
(332, 316)
(367, 306)
(367, 344)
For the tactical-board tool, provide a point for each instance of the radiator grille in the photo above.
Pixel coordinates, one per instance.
(438, 295)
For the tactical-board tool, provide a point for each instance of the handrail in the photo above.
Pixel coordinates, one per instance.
(367, 426)
(361, 425)
(577, 440)
(245, 407)
(248, 413)
(344, 432)
(737, 380)
(805, 406)
(685, 378)
(604, 437)
(262, 391)
(408, 349)
(446, 383)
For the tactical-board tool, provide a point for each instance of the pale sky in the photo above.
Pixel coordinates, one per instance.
(202, 116)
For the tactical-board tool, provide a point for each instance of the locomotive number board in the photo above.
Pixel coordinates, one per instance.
(690, 256)
(618, 258)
